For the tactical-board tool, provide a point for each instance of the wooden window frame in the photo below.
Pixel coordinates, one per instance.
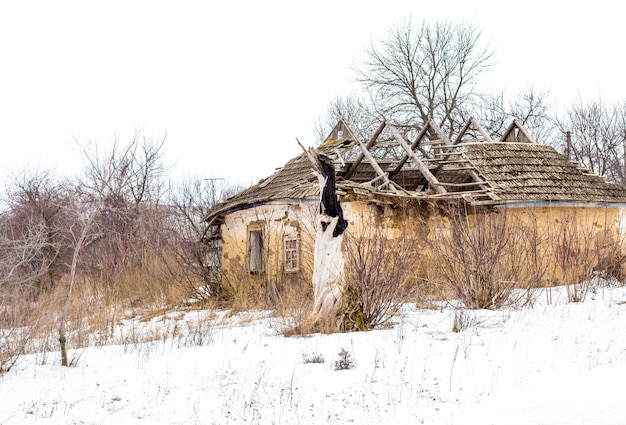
(256, 251)
(291, 254)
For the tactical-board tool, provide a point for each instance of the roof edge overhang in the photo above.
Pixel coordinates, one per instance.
(213, 218)
(557, 204)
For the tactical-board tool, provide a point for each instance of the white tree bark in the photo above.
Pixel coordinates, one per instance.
(328, 261)
(328, 264)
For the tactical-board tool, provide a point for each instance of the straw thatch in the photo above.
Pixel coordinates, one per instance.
(534, 172)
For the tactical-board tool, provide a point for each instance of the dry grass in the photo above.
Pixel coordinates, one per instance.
(585, 255)
(482, 259)
(30, 324)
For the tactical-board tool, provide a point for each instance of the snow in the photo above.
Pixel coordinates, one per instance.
(551, 363)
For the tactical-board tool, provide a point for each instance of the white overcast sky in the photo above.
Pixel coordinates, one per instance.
(234, 83)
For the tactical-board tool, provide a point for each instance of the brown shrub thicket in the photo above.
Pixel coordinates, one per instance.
(380, 273)
(478, 257)
(77, 256)
(491, 258)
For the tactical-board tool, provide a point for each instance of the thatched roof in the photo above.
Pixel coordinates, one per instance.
(295, 180)
(476, 169)
(534, 172)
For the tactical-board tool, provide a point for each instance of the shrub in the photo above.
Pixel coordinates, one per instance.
(344, 361)
(479, 256)
(584, 255)
(461, 321)
(379, 273)
(312, 358)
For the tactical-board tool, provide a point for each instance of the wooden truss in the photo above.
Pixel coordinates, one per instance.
(431, 157)
(517, 133)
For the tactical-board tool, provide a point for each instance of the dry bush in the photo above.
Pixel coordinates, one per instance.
(243, 291)
(27, 326)
(195, 254)
(17, 330)
(295, 299)
(483, 257)
(532, 251)
(584, 255)
(380, 272)
(191, 266)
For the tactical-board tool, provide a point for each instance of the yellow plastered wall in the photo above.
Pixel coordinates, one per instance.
(553, 244)
(298, 220)
(276, 221)
(597, 233)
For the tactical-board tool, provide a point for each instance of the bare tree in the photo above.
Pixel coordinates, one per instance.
(530, 107)
(33, 226)
(131, 212)
(357, 112)
(23, 257)
(196, 252)
(105, 203)
(594, 135)
(426, 72)
(618, 169)
(85, 215)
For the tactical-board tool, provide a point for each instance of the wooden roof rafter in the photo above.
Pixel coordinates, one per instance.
(417, 142)
(480, 173)
(368, 146)
(341, 130)
(451, 157)
(517, 133)
(410, 153)
(472, 123)
(381, 175)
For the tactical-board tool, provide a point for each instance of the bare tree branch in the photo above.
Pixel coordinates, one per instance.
(426, 72)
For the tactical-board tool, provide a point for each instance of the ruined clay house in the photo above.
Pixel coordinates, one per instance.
(267, 230)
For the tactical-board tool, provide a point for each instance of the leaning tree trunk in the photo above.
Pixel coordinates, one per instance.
(328, 262)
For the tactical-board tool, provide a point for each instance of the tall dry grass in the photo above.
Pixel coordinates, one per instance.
(100, 303)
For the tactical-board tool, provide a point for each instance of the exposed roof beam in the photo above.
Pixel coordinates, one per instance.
(434, 183)
(472, 122)
(383, 176)
(359, 159)
(340, 127)
(430, 125)
(521, 136)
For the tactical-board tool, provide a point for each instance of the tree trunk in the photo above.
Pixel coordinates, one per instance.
(328, 262)
(68, 296)
(70, 285)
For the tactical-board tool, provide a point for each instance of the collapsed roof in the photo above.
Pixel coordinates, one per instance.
(472, 167)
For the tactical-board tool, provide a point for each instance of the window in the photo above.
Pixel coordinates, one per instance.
(256, 261)
(292, 260)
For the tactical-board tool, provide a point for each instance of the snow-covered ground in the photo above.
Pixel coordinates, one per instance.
(553, 363)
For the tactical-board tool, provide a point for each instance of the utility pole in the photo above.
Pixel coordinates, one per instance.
(212, 181)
